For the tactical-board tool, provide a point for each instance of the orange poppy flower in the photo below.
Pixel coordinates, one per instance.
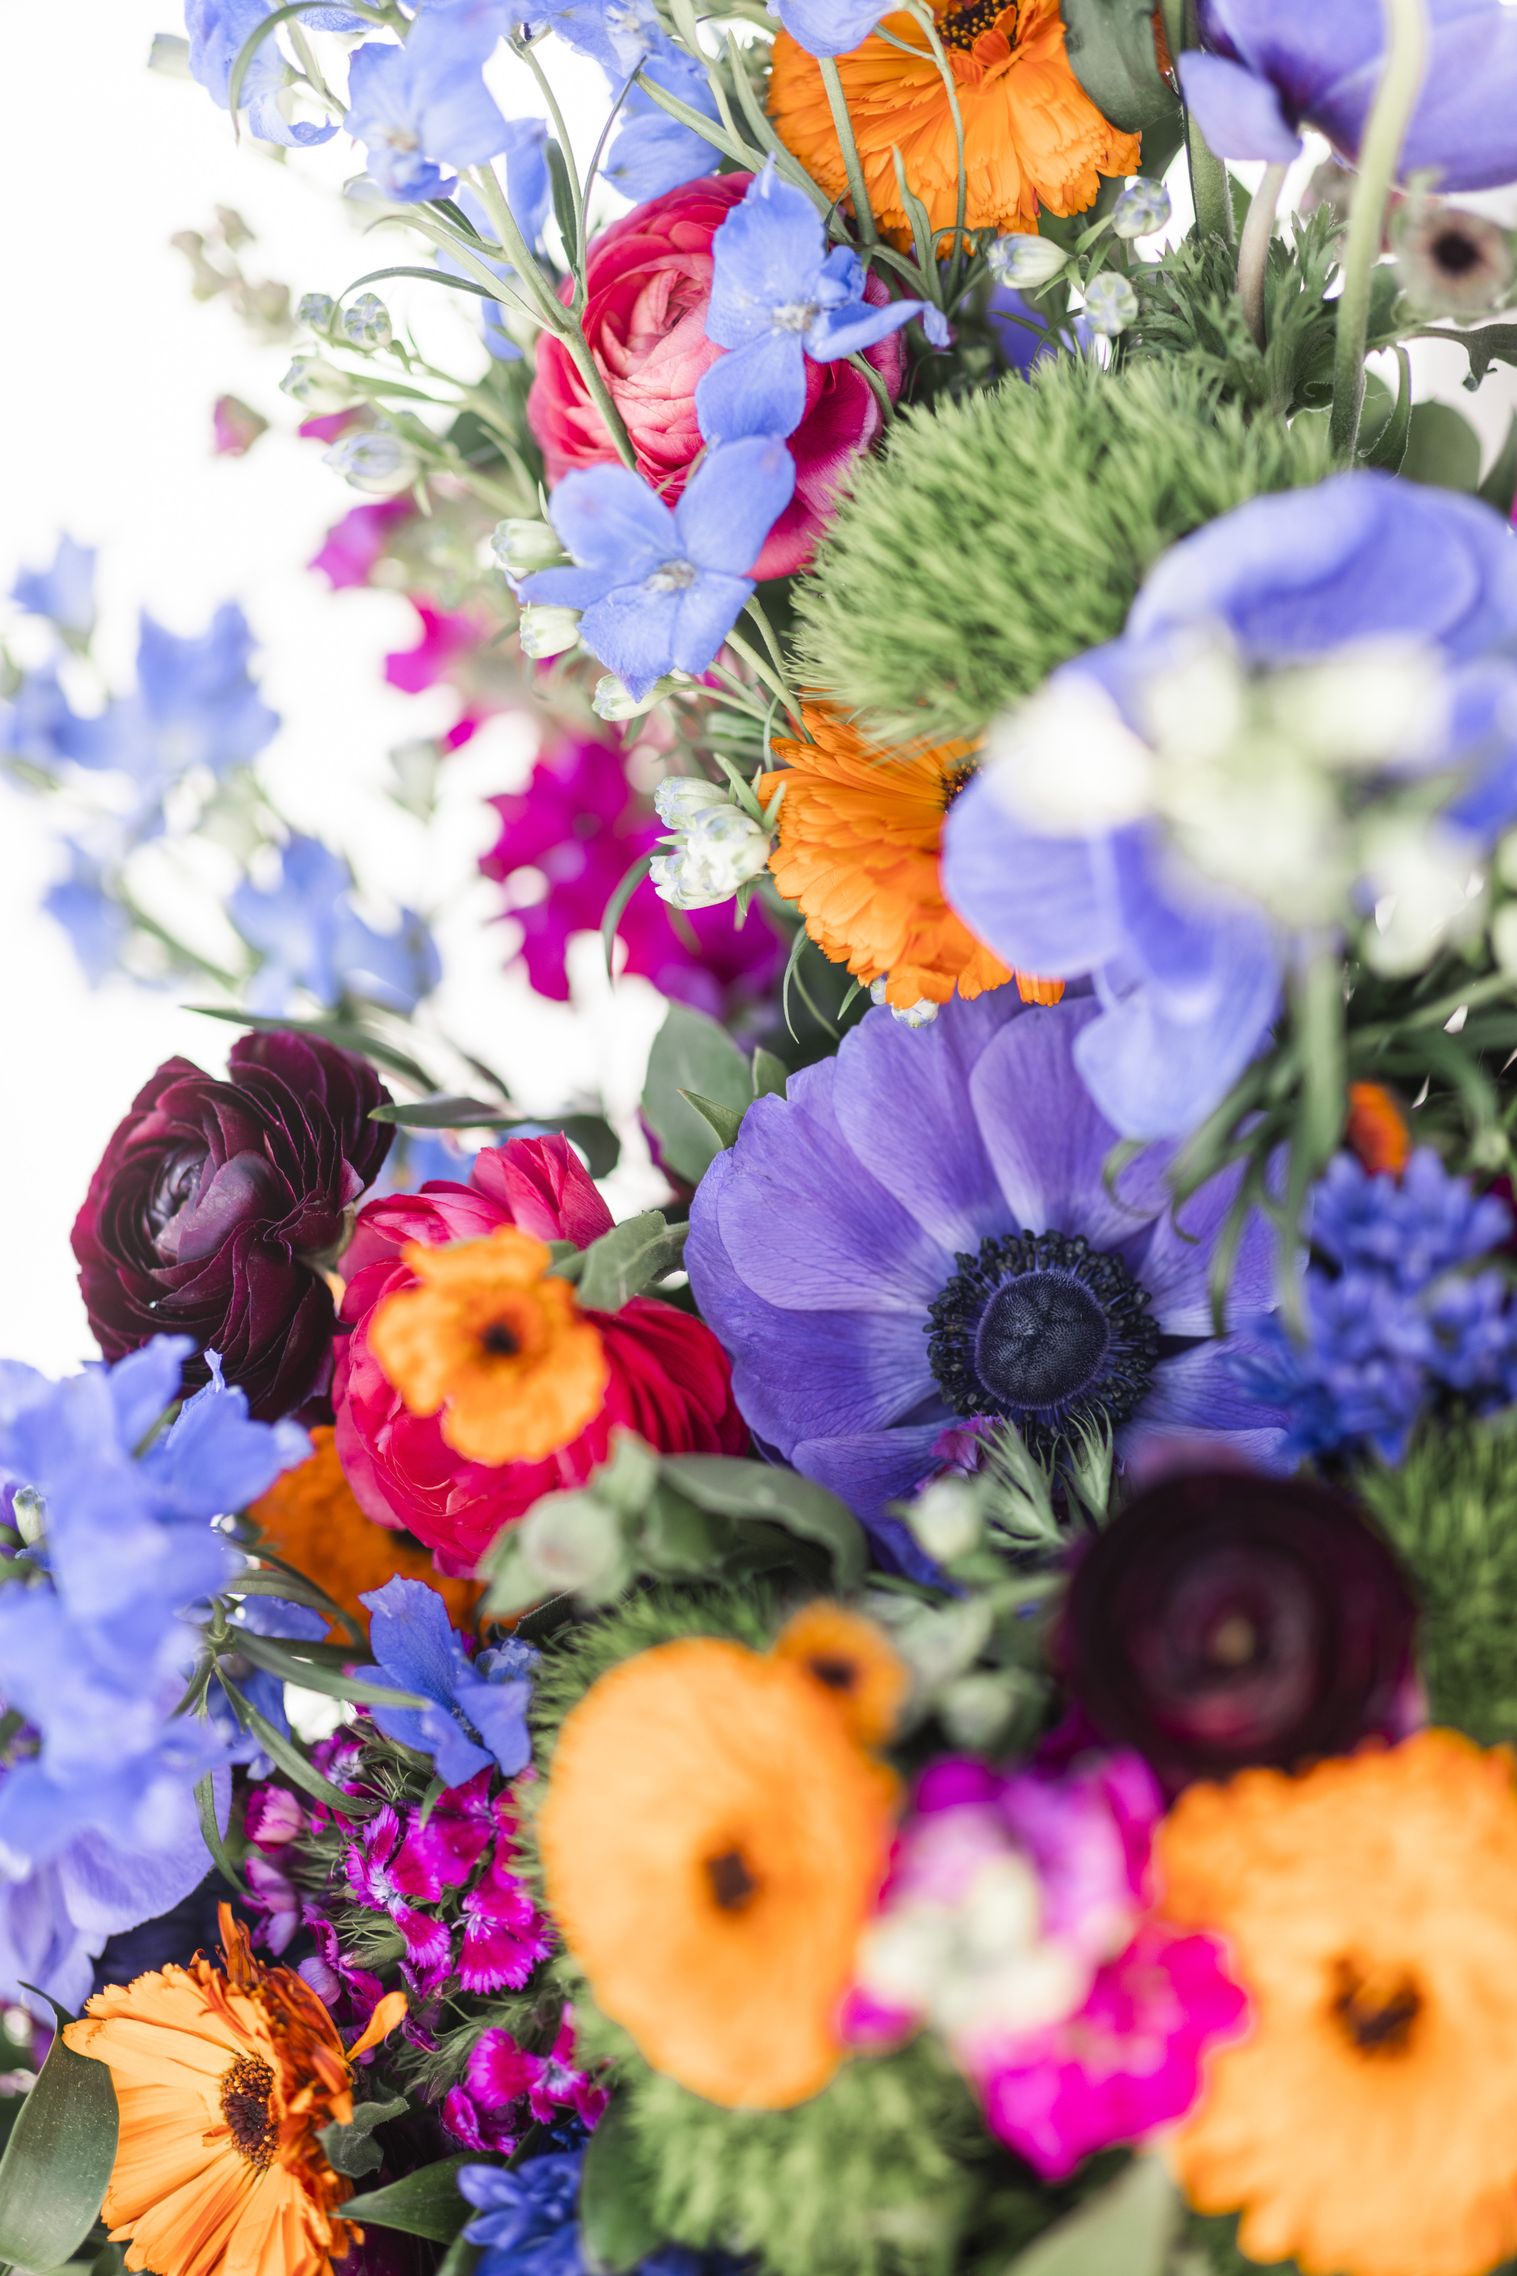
(712, 1841)
(494, 1341)
(859, 853)
(1033, 139)
(311, 1519)
(851, 1658)
(223, 2082)
(1368, 2122)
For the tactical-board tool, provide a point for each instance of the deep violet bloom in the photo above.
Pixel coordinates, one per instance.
(1225, 1618)
(1271, 67)
(668, 1377)
(1188, 974)
(216, 1203)
(921, 1236)
(578, 824)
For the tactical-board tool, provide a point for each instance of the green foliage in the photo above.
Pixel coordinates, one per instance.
(1128, 2225)
(58, 2159)
(1451, 1511)
(1062, 490)
(425, 2203)
(1114, 55)
(692, 1054)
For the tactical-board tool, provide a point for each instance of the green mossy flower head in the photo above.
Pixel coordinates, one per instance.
(1002, 534)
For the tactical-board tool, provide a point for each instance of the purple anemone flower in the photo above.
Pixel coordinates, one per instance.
(921, 1236)
(1270, 67)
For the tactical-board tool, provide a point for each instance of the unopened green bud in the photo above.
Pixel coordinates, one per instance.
(317, 309)
(522, 546)
(945, 1519)
(366, 323)
(318, 385)
(548, 631)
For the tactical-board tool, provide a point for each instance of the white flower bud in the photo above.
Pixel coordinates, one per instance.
(548, 631)
(719, 852)
(1142, 206)
(376, 462)
(614, 700)
(318, 385)
(1110, 304)
(316, 309)
(945, 1519)
(366, 323)
(680, 797)
(1025, 261)
(521, 546)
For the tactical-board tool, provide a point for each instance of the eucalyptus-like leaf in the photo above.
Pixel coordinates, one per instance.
(425, 2203)
(58, 2159)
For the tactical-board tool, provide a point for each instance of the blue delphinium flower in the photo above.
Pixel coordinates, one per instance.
(920, 1243)
(828, 27)
(778, 296)
(64, 593)
(98, 1821)
(1271, 67)
(661, 589)
(1394, 1317)
(422, 109)
(1188, 968)
(195, 704)
(218, 30)
(96, 924)
(653, 152)
(310, 937)
(527, 2223)
(476, 1711)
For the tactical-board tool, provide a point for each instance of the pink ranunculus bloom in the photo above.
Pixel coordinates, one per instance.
(446, 634)
(579, 825)
(648, 284)
(353, 547)
(669, 1377)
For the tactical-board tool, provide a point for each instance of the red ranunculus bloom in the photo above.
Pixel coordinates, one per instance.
(217, 1203)
(669, 1376)
(648, 286)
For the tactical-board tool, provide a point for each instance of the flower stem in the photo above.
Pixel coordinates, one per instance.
(1406, 26)
(1210, 191)
(842, 126)
(1253, 252)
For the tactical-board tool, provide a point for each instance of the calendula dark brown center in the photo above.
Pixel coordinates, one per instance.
(732, 1884)
(500, 1341)
(245, 2093)
(961, 27)
(832, 1669)
(1376, 2010)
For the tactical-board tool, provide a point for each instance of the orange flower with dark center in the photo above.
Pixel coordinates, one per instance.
(1033, 139)
(860, 854)
(311, 1519)
(713, 1840)
(493, 1342)
(853, 1661)
(223, 2082)
(1368, 2120)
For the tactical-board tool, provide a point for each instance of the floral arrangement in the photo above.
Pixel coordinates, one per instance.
(941, 1700)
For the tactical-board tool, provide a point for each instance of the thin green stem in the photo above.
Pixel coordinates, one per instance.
(576, 189)
(924, 16)
(765, 673)
(1210, 191)
(1253, 252)
(1406, 49)
(853, 164)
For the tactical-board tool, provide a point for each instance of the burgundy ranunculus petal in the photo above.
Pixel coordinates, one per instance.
(216, 1203)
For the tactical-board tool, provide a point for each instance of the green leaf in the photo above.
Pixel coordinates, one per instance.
(692, 1053)
(1442, 449)
(616, 2230)
(724, 1120)
(770, 1074)
(346, 1034)
(734, 1488)
(1126, 2229)
(1387, 448)
(1492, 344)
(563, 202)
(592, 1133)
(425, 2203)
(351, 2149)
(290, 1759)
(58, 2159)
(628, 1259)
(211, 1834)
(680, 1537)
(1500, 486)
(1110, 45)
(616, 908)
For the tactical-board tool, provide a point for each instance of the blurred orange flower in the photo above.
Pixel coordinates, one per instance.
(489, 1337)
(223, 2082)
(1368, 2122)
(855, 1663)
(1033, 139)
(310, 1518)
(712, 1841)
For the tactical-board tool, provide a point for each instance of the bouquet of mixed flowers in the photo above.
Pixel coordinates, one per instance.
(937, 1702)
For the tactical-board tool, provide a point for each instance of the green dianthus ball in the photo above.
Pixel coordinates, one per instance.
(1004, 533)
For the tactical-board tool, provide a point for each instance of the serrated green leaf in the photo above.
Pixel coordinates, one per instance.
(616, 2229)
(1111, 50)
(1126, 2229)
(724, 1120)
(691, 1053)
(627, 1260)
(731, 1487)
(58, 2159)
(425, 2203)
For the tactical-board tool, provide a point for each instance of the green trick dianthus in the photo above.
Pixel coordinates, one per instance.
(1004, 533)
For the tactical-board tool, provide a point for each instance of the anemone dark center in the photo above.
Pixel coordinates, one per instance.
(732, 1884)
(246, 2090)
(961, 27)
(1456, 254)
(1375, 2011)
(1044, 1330)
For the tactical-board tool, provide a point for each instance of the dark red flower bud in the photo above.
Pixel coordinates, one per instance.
(1228, 1617)
(217, 1203)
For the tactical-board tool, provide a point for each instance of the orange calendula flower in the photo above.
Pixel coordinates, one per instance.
(1033, 139)
(859, 853)
(1367, 2125)
(491, 1339)
(311, 1519)
(713, 1840)
(223, 2082)
(855, 1663)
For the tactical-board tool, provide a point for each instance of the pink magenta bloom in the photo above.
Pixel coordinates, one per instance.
(648, 290)
(235, 427)
(579, 826)
(354, 546)
(446, 634)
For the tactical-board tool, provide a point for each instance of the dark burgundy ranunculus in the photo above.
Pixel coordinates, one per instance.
(216, 1204)
(1227, 1618)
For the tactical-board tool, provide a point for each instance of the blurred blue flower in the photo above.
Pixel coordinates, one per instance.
(65, 593)
(218, 30)
(96, 924)
(653, 152)
(422, 109)
(1392, 1321)
(619, 34)
(661, 589)
(778, 296)
(475, 1716)
(527, 2223)
(310, 937)
(828, 27)
(38, 724)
